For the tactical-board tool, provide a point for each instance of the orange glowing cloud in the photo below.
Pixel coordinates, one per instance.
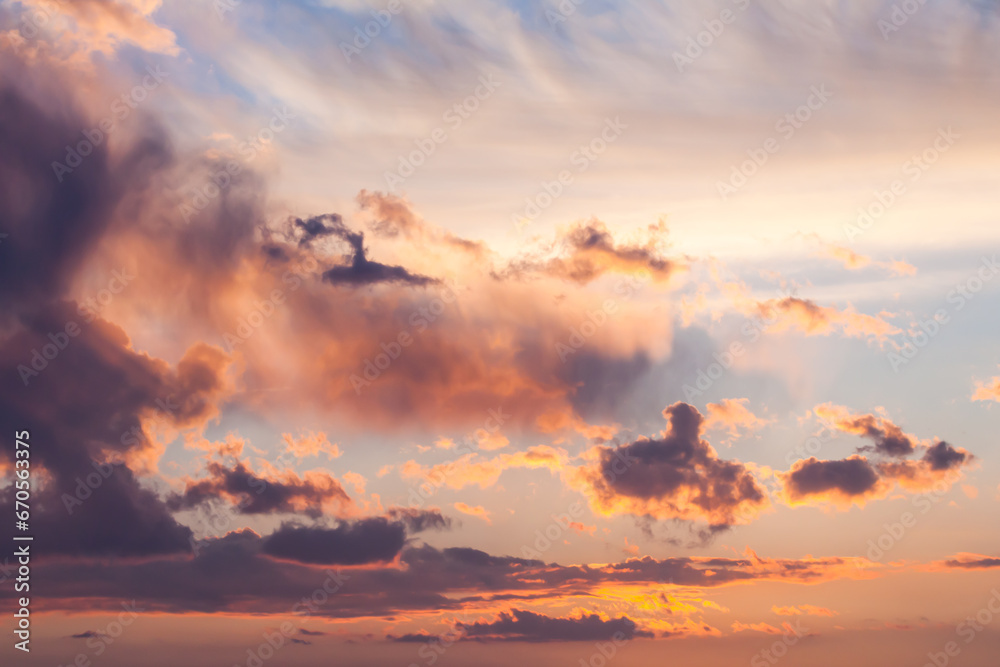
(966, 561)
(676, 476)
(857, 480)
(470, 469)
(853, 260)
(988, 390)
(477, 511)
(733, 414)
(802, 610)
(565, 420)
(310, 444)
(791, 313)
(588, 251)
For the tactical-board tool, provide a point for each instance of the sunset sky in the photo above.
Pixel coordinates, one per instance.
(506, 333)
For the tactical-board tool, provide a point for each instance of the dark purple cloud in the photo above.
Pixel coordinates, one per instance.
(526, 626)
(853, 476)
(254, 494)
(351, 543)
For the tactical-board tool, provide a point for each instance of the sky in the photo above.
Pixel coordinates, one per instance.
(426, 332)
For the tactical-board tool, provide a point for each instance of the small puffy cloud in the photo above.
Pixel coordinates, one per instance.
(988, 390)
(802, 610)
(526, 626)
(310, 444)
(732, 414)
(888, 438)
(675, 476)
(370, 540)
(478, 511)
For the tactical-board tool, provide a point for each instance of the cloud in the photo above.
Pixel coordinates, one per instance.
(359, 271)
(967, 561)
(793, 313)
(235, 573)
(857, 480)
(253, 493)
(470, 469)
(765, 628)
(588, 251)
(478, 511)
(853, 261)
(418, 520)
(351, 543)
(676, 476)
(733, 414)
(526, 626)
(888, 438)
(812, 319)
(393, 216)
(988, 390)
(802, 610)
(843, 481)
(310, 444)
(103, 26)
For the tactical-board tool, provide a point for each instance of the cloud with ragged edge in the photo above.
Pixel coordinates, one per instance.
(967, 561)
(588, 251)
(675, 476)
(472, 469)
(245, 572)
(853, 260)
(99, 26)
(802, 610)
(371, 540)
(858, 479)
(519, 625)
(887, 438)
(357, 270)
(733, 415)
(793, 313)
(392, 216)
(477, 511)
(115, 397)
(313, 494)
(988, 390)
